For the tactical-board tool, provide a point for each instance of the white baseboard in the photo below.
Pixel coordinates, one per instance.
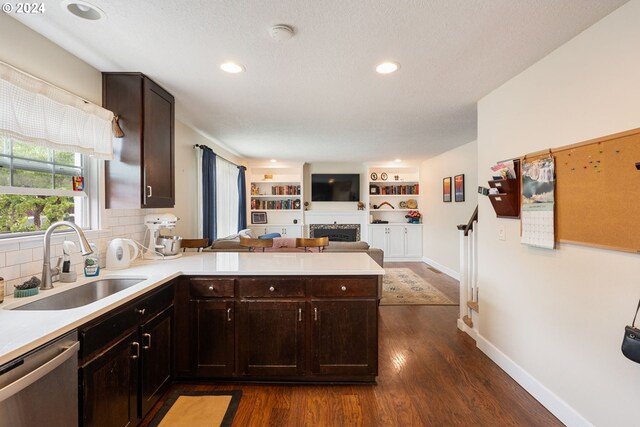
(558, 407)
(446, 270)
(470, 331)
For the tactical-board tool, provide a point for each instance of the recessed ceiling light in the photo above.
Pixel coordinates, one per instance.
(387, 67)
(83, 10)
(231, 67)
(397, 160)
(273, 160)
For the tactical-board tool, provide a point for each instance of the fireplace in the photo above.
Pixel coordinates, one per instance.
(336, 232)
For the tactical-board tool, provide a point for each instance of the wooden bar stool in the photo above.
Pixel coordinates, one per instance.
(254, 244)
(317, 242)
(197, 244)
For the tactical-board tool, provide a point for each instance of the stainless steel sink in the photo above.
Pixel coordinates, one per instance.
(82, 295)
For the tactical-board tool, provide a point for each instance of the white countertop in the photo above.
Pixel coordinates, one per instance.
(22, 331)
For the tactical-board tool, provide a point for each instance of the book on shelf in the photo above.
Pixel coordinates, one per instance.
(400, 189)
(285, 204)
(285, 190)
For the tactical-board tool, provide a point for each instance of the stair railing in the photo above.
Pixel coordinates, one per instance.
(469, 269)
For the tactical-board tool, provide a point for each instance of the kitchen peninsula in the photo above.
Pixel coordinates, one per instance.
(304, 317)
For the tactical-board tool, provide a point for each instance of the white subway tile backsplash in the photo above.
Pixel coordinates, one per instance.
(21, 260)
(9, 246)
(19, 257)
(31, 269)
(10, 272)
(38, 253)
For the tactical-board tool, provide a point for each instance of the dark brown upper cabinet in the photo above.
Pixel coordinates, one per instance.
(141, 175)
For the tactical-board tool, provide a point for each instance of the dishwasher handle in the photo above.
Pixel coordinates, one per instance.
(33, 376)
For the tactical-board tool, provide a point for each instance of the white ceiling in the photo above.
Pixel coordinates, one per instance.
(317, 97)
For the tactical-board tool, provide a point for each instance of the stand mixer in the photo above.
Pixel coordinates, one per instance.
(154, 223)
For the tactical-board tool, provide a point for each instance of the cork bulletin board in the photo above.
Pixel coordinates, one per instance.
(598, 192)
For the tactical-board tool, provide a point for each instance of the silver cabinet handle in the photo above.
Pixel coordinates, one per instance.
(315, 313)
(211, 287)
(343, 288)
(299, 315)
(150, 191)
(271, 288)
(137, 346)
(33, 376)
(148, 337)
(228, 315)
(140, 311)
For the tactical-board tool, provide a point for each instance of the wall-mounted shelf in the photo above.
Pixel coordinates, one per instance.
(506, 203)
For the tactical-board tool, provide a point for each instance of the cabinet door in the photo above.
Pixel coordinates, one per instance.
(345, 337)
(212, 343)
(292, 231)
(158, 147)
(271, 338)
(110, 385)
(258, 230)
(274, 229)
(155, 363)
(378, 237)
(413, 241)
(395, 238)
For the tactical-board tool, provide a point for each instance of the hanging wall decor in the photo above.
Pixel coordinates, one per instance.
(446, 189)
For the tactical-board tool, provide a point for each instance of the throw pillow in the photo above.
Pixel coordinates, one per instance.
(269, 236)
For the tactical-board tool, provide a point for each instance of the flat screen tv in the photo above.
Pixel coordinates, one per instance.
(335, 187)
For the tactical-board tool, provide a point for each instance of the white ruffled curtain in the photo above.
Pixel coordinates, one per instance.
(36, 112)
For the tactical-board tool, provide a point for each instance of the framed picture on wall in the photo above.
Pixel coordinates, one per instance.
(258, 217)
(446, 189)
(458, 185)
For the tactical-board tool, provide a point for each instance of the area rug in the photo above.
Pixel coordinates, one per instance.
(401, 286)
(198, 409)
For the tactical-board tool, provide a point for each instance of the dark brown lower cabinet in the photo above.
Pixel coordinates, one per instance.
(272, 338)
(126, 361)
(110, 386)
(291, 328)
(155, 359)
(213, 333)
(344, 339)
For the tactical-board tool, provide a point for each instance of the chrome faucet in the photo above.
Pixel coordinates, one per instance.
(47, 271)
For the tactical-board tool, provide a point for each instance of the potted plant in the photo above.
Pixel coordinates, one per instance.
(413, 217)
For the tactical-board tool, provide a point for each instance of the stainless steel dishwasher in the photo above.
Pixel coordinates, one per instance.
(41, 387)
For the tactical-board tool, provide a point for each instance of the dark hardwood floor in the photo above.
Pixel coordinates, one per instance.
(431, 374)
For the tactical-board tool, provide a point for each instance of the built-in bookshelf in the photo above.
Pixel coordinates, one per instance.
(392, 193)
(275, 194)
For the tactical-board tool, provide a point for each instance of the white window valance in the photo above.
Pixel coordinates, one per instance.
(39, 113)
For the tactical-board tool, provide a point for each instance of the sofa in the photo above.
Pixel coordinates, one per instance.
(286, 244)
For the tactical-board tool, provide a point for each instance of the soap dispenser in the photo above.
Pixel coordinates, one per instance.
(92, 262)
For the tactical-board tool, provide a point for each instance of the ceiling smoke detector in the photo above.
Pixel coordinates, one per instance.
(281, 32)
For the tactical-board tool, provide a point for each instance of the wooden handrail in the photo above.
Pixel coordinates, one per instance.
(467, 227)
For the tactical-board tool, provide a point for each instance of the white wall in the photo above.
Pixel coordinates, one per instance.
(186, 174)
(27, 50)
(441, 247)
(559, 314)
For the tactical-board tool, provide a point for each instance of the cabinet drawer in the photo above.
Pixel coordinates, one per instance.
(344, 287)
(106, 329)
(211, 288)
(271, 288)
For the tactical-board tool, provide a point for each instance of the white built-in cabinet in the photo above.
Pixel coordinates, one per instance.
(293, 231)
(399, 242)
(394, 192)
